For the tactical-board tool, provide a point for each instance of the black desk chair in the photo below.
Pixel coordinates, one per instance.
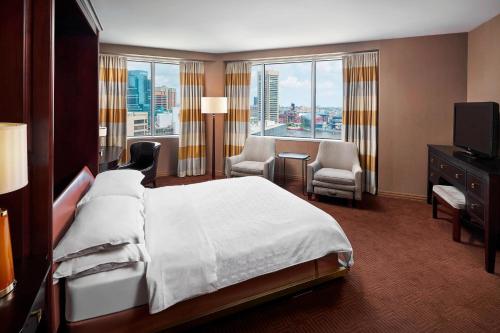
(144, 158)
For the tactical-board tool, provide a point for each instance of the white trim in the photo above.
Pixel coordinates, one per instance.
(290, 138)
(171, 136)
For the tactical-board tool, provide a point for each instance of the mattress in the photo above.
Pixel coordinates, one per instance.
(107, 292)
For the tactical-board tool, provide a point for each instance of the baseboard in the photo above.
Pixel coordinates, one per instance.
(397, 195)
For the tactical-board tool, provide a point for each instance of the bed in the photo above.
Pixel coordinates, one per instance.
(118, 300)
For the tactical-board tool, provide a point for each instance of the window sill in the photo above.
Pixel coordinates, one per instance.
(285, 138)
(148, 137)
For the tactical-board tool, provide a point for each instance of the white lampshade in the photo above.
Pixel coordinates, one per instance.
(103, 131)
(214, 105)
(13, 157)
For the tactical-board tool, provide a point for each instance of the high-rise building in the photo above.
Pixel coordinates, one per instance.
(137, 124)
(171, 98)
(271, 101)
(165, 98)
(139, 91)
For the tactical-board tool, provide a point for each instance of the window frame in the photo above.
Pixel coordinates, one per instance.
(152, 61)
(289, 60)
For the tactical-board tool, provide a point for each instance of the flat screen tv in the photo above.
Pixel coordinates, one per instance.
(476, 128)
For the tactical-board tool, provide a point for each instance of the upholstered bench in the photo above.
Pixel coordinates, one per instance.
(454, 200)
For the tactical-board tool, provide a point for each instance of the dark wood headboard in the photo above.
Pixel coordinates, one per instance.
(64, 207)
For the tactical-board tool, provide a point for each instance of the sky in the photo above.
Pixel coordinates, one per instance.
(295, 83)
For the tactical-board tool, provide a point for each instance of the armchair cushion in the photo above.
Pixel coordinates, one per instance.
(342, 187)
(249, 167)
(336, 176)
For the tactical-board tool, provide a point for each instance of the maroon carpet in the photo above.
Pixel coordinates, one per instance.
(408, 276)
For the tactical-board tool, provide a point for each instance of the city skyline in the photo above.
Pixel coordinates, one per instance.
(284, 91)
(141, 98)
(295, 83)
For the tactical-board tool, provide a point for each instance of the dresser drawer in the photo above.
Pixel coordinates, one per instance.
(434, 176)
(434, 161)
(455, 173)
(475, 208)
(476, 185)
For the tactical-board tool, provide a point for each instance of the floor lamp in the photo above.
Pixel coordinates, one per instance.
(213, 105)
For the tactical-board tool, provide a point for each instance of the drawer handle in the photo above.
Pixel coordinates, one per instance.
(37, 314)
(458, 175)
(474, 206)
(432, 160)
(432, 174)
(474, 185)
(442, 166)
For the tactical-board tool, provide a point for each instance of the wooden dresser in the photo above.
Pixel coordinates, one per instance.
(479, 180)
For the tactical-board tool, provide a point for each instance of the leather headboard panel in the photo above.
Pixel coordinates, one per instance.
(64, 207)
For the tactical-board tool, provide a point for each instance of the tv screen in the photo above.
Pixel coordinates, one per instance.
(476, 128)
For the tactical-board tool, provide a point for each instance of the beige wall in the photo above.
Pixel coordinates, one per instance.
(420, 79)
(483, 67)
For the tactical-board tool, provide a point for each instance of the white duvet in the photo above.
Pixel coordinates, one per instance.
(207, 236)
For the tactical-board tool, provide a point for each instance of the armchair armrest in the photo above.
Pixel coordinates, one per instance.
(230, 161)
(269, 168)
(358, 180)
(311, 169)
(130, 165)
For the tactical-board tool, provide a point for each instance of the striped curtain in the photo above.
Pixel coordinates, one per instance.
(192, 149)
(360, 113)
(113, 99)
(237, 92)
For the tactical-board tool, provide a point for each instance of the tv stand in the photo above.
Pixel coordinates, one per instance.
(479, 180)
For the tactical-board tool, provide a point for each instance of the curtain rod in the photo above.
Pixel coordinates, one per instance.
(151, 57)
(305, 56)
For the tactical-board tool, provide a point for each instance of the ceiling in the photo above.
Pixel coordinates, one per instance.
(220, 26)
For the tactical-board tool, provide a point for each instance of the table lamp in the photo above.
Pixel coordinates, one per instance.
(13, 176)
(213, 105)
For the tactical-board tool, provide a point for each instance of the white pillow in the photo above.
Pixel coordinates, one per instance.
(100, 223)
(106, 260)
(115, 182)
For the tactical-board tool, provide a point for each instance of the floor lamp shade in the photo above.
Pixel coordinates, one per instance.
(13, 176)
(214, 105)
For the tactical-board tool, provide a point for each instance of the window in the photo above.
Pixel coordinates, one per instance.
(297, 99)
(152, 111)
(329, 99)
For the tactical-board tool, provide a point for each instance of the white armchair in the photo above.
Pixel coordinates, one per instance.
(256, 159)
(336, 171)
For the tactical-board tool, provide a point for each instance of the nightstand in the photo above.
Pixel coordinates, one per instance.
(24, 308)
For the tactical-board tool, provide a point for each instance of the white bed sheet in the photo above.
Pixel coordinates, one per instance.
(106, 292)
(237, 229)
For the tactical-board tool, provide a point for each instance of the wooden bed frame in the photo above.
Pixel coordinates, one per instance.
(221, 302)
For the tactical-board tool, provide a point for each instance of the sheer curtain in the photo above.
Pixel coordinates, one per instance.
(192, 149)
(113, 98)
(237, 91)
(361, 111)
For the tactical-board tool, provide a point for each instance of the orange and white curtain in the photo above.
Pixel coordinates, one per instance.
(360, 116)
(192, 149)
(113, 99)
(237, 91)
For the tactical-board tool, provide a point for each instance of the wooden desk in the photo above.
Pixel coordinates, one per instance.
(24, 307)
(109, 158)
(479, 180)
